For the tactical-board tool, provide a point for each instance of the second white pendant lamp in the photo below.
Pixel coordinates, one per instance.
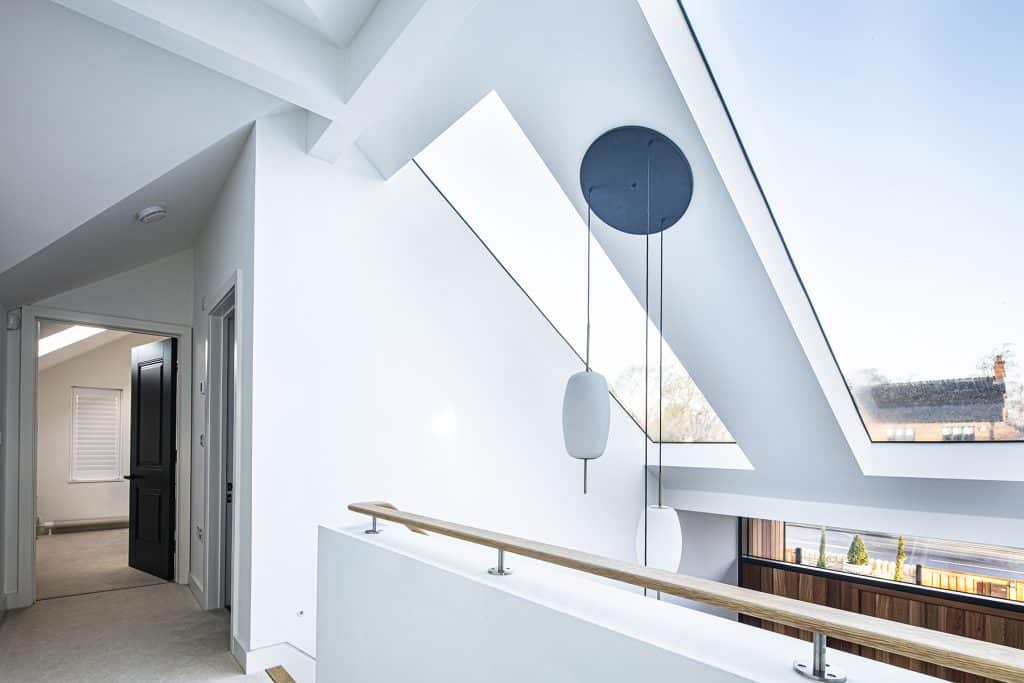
(660, 545)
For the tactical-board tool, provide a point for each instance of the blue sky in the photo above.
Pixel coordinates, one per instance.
(889, 140)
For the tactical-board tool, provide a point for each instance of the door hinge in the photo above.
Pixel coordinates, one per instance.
(174, 545)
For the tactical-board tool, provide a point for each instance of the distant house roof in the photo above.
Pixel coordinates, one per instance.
(972, 399)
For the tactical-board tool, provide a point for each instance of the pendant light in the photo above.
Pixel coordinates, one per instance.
(647, 187)
(586, 406)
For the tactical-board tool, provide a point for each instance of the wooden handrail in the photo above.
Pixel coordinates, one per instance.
(977, 657)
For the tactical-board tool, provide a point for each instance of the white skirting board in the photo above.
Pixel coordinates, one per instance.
(197, 591)
(301, 666)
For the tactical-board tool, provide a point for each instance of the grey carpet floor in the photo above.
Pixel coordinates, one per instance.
(154, 634)
(85, 562)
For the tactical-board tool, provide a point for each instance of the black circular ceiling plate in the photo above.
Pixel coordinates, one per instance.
(614, 175)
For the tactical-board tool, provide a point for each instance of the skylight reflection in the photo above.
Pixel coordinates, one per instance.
(71, 335)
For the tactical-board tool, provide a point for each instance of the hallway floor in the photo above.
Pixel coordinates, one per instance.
(154, 634)
(85, 562)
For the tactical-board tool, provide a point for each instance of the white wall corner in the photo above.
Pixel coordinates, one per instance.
(316, 128)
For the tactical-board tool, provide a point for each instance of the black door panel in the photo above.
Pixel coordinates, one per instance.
(153, 456)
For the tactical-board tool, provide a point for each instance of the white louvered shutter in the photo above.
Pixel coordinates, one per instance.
(95, 434)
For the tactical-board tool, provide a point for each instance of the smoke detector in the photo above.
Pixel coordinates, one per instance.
(151, 214)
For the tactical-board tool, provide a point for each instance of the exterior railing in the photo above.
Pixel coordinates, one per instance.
(955, 652)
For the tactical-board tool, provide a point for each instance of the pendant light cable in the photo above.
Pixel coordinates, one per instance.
(647, 370)
(661, 320)
(661, 353)
(587, 359)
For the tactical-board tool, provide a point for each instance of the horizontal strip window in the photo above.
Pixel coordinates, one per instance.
(955, 569)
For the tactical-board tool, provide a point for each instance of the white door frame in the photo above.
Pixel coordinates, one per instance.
(26, 450)
(226, 300)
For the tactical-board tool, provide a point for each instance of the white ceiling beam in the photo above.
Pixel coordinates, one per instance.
(395, 50)
(244, 40)
(344, 90)
(380, 33)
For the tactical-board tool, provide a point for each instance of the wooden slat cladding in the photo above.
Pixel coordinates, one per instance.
(766, 538)
(989, 624)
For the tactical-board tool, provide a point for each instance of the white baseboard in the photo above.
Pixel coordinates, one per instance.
(197, 591)
(18, 600)
(301, 666)
(238, 652)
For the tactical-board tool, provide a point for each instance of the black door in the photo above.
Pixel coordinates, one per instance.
(153, 456)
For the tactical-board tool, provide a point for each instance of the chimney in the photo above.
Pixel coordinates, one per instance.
(999, 369)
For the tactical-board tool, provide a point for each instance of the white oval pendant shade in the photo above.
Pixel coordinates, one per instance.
(586, 415)
(664, 538)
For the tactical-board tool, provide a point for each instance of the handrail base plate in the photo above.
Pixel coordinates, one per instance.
(832, 674)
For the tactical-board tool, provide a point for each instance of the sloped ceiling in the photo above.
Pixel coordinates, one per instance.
(582, 69)
(113, 241)
(98, 115)
(48, 327)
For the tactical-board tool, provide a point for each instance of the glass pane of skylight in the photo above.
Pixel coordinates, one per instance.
(486, 167)
(887, 139)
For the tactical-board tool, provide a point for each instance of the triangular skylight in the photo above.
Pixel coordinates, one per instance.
(886, 139)
(491, 174)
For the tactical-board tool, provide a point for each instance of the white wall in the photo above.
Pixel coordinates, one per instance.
(160, 291)
(224, 246)
(403, 607)
(377, 310)
(108, 367)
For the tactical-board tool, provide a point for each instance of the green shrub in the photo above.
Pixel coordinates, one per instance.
(901, 558)
(821, 550)
(858, 553)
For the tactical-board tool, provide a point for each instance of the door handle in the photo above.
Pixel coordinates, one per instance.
(130, 477)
